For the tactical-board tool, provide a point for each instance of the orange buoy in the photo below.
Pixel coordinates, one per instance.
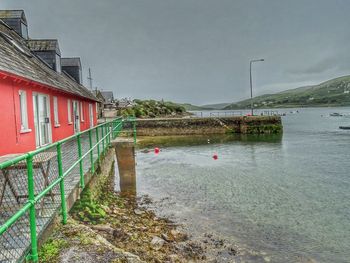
(156, 150)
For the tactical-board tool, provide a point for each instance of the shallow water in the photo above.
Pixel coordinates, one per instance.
(287, 196)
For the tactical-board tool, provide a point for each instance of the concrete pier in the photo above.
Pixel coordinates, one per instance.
(125, 152)
(210, 125)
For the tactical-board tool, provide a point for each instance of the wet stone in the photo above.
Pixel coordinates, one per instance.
(157, 243)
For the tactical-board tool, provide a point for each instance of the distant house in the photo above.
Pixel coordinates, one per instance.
(101, 101)
(41, 100)
(124, 103)
(108, 100)
(108, 96)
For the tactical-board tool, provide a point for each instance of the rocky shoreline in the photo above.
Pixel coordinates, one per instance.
(106, 227)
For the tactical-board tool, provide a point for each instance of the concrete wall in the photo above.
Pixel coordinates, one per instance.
(198, 126)
(104, 169)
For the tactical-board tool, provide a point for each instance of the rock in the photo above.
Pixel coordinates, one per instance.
(138, 212)
(174, 232)
(173, 258)
(105, 228)
(178, 236)
(157, 243)
(119, 234)
(232, 251)
(165, 237)
(267, 259)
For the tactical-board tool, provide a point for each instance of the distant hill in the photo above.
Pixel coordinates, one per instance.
(217, 106)
(334, 92)
(191, 107)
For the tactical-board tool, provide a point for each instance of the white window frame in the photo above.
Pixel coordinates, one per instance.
(22, 95)
(96, 108)
(69, 107)
(55, 112)
(81, 112)
(91, 115)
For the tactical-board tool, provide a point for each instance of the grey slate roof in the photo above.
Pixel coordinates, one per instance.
(44, 45)
(70, 62)
(21, 62)
(6, 14)
(108, 96)
(98, 95)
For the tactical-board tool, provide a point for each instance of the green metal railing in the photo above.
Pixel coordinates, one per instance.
(83, 151)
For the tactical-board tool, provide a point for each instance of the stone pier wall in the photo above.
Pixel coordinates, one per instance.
(212, 125)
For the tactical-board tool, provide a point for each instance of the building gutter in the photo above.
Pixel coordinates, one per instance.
(19, 79)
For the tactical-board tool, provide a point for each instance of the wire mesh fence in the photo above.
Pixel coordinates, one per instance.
(35, 185)
(14, 241)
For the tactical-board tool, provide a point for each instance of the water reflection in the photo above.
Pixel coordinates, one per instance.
(193, 140)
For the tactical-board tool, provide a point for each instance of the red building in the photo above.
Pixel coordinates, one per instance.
(41, 99)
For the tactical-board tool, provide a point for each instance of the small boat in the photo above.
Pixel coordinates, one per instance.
(344, 127)
(336, 114)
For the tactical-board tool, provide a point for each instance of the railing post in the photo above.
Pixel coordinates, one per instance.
(107, 138)
(113, 127)
(60, 174)
(102, 138)
(110, 132)
(32, 219)
(91, 153)
(134, 128)
(98, 143)
(82, 183)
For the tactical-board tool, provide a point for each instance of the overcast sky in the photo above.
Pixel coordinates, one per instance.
(197, 51)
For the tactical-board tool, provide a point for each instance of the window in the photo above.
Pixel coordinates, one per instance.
(82, 111)
(24, 30)
(58, 63)
(69, 112)
(23, 111)
(55, 112)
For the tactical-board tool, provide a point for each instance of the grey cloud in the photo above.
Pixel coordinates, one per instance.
(196, 50)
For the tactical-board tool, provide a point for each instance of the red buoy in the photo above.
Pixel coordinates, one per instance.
(215, 157)
(156, 150)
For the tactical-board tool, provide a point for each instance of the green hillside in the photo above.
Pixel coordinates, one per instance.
(334, 92)
(217, 106)
(191, 107)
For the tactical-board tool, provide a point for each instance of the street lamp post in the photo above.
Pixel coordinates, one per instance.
(251, 84)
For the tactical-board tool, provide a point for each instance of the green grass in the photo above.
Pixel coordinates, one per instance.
(153, 109)
(49, 252)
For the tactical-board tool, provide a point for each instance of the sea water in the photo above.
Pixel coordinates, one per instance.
(288, 195)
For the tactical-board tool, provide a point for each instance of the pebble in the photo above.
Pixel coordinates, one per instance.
(138, 212)
(173, 258)
(165, 237)
(267, 259)
(157, 243)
